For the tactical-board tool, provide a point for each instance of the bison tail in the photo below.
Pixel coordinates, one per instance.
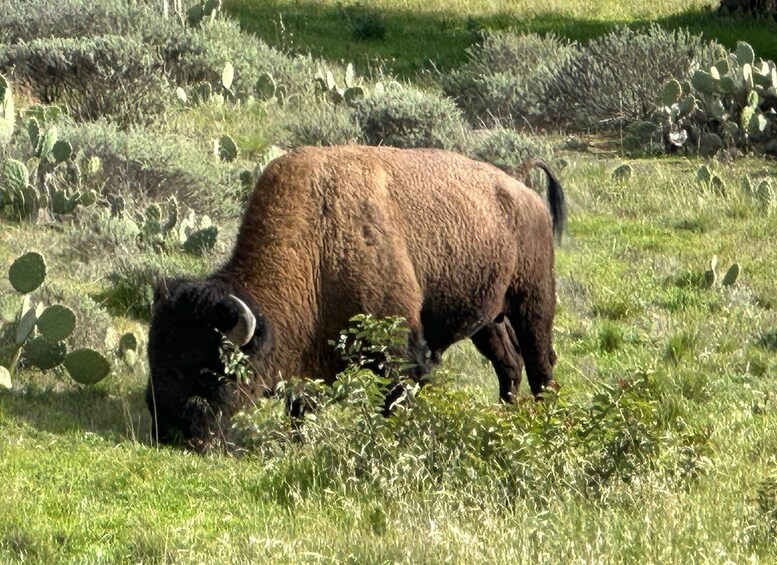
(556, 200)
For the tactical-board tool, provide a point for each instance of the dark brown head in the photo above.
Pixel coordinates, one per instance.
(189, 395)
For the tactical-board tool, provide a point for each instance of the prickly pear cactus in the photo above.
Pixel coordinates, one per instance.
(726, 106)
(201, 241)
(5, 378)
(225, 148)
(623, 173)
(56, 323)
(86, 366)
(265, 87)
(36, 334)
(44, 354)
(28, 272)
(7, 114)
(128, 348)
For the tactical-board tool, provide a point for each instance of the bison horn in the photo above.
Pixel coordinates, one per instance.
(246, 324)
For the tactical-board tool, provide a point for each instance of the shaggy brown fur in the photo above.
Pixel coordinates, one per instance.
(457, 247)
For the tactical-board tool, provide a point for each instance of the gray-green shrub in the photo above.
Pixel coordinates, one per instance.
(28, 20)
(508, 149)
(322, 123)
(108, 76)
(404, 116)
(506, 77)
(149, 165)
(617, 78)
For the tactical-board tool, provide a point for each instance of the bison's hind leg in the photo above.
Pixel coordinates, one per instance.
(497, 343)
(532, 320)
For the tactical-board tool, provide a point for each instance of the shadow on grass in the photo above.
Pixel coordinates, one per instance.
(414, 42)
(115, 418)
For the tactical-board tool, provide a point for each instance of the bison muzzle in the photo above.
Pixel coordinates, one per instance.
(457, 247)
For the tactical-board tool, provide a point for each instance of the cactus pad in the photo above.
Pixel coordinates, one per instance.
(128, 342)
(227, 76)
(28, 272)
(731, 275)
(7, 115)
(703, 82)
(201, 241)
(86, 366)
(26, 325)
(14, 175)
(5, 378)
(622, 173)
(48, 139)
(671, 92)
(745, 54)
(226, 149)
(43, 354)
(265, 87)
(61, 151)
(56, 323)
(353, 95)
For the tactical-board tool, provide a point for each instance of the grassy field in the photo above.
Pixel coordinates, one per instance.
(660, 447)
(423, 36)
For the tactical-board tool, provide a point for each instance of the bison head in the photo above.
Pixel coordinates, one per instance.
(189, 396)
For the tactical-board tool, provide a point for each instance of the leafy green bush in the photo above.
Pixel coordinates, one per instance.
(507, 148)
(617, 78)
(439, 436)
(403, 116)
(506, 77)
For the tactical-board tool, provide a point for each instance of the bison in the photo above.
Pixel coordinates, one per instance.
(457, 247)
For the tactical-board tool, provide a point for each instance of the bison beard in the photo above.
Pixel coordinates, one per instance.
(457, 247)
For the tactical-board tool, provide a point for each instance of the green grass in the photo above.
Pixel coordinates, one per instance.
(423, 36)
